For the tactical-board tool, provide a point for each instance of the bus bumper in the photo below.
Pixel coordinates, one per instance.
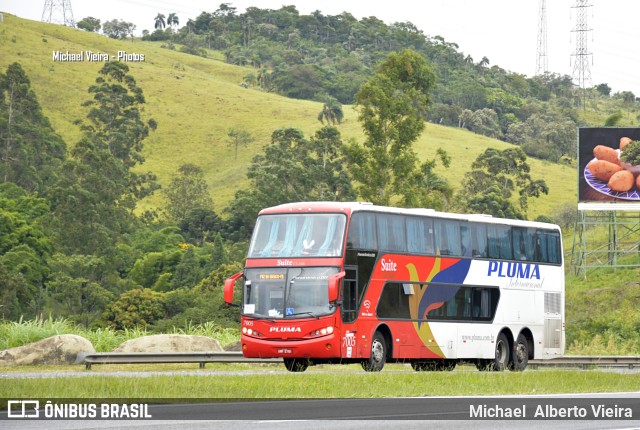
(322, 347)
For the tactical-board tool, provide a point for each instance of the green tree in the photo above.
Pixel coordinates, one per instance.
(604, 89)
(331, 112)
(291, 169)
(495, 176)
(213, 285)
(118, 29)
(328, 167)
(613, 119)
(238, 138)
(391, 107)
(76, 287)
(173, 20)
(199, 225)
(148, 270)
(187, 191)
(483, 121)
(427, 188)
(31, 153)
(188, 272)
(546, 135)
(219, 256)
(137, 308)
(160, 22)
(301, 81)
(89, 24)
(25, 249)
(98, 194)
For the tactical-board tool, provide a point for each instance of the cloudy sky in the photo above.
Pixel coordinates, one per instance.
(504, 31)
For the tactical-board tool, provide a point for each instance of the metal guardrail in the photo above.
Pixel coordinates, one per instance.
(588, 361)
(581, 362)
(172, 357)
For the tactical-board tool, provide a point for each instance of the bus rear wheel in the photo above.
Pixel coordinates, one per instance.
(378, 357)
(520, 354)
(296, 364)
(503, 354)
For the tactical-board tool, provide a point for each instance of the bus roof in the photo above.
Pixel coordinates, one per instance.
(352, 207)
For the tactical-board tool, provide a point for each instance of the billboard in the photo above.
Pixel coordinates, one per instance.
(602, 176)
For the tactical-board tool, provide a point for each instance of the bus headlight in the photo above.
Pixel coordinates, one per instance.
(321, 332)
(251, 332)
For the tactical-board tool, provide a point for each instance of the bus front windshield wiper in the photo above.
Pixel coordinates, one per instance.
(261, 316)
(305, 313)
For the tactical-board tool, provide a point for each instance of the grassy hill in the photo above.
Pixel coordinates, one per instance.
(196, 100)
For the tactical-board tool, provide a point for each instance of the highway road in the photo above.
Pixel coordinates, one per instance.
(361, 414)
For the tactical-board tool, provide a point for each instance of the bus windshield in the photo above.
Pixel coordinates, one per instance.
(297, 292)
(299, 235)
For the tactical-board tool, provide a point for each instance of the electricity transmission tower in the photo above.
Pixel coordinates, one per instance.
(581, 69)
(58, 12)
(542, 65)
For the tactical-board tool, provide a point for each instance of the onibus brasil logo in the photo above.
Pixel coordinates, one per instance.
(31, 409)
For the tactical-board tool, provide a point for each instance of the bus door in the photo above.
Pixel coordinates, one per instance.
(349, 311)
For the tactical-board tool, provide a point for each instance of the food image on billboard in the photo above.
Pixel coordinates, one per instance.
(609, 165)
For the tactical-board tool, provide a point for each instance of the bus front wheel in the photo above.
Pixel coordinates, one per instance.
(378, 357)
(296, 364)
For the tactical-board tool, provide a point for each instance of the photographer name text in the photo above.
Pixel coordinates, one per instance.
(546, 411)
(91, 56)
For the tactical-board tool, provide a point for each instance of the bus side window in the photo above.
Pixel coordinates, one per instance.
(548, 246)
(479, 240)
(499, 242)
(517, 235)
(466, 239)
(362, 231)
(420, 235)
(447, 236)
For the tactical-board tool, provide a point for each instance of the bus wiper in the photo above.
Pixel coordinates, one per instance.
(262, 316)
(304, 313)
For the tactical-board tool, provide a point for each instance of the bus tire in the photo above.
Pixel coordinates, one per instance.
(503, 354)
(520, 354)
(296, 364)
(378, 357)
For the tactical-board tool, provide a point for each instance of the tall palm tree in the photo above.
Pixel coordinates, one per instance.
(331, 111)
(172, 20)
(160, 22)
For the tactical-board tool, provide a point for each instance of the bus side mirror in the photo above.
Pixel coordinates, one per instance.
(334, 286)
(229, 286)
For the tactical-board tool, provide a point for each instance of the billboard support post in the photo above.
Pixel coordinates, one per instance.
(616, 247)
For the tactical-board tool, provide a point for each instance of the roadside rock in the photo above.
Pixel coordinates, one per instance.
(59, 349)
(236, 346)
(170, 343)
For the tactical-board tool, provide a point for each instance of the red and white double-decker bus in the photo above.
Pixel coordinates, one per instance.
(328, 282)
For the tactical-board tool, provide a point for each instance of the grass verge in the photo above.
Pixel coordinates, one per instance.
(269, 382)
